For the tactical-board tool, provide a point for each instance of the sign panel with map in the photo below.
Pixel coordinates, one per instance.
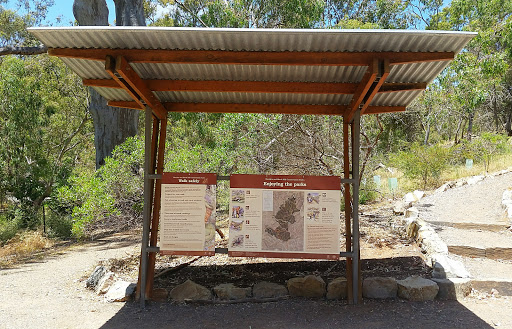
(285, 216)
(187, 214)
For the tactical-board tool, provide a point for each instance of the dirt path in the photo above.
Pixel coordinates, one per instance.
(477, 203)
(49, 294)
(471, 221)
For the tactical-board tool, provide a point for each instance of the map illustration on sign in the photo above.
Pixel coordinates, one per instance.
(284, 216)
(284, 225)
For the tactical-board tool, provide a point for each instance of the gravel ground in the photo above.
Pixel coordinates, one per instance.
(50, 293)
(478, 203)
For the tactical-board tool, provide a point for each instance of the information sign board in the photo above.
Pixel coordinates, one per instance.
(187, 214)
(285, 216)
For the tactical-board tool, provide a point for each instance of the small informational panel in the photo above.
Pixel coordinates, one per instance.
(284, 216)
(187, 214)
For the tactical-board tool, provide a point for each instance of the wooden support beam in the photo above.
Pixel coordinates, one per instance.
(397, 87)
(348, 207)
(383, 68)
(362, 89)
(251, 57)
(110, 67)
(137, 84)
(384, 109)
(125, 104)
(237, 86)
(256, 86)
(256, 108)
(153, 238)
(260, 108)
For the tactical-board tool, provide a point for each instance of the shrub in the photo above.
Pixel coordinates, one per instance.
(8, 229)
(110, 198)
(423, 163)
(367, 191)
(59, 226)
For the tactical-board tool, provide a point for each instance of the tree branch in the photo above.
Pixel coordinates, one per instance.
(10, 50)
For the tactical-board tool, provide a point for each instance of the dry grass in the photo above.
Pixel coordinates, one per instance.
(405, 185)
(24, 245)
(498, 163)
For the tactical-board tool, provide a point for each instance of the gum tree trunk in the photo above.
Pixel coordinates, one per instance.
(112, 125)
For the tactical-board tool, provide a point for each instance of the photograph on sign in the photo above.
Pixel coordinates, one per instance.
(188, 214)
(285, 216)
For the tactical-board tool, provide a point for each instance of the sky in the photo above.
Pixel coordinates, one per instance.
(64, 9)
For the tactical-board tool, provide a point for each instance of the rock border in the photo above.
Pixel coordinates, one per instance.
(433, 247)
(413, 288)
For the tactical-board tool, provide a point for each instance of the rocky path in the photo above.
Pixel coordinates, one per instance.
(471, 221)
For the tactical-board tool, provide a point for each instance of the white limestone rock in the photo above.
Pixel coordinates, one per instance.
(380, 288)
(417, 289)
(337, 289)
(120, 291)
(228, 291)
(189, 290)
(453, 288)
(412, 213)
(266, 289)
(308, 286)
(445, 267)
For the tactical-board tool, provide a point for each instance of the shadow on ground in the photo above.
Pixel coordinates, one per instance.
(299, 313)
(246, 275)
(296, 312)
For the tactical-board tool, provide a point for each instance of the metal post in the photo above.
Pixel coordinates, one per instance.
(348, 207)
(147, 205)
(355, 206)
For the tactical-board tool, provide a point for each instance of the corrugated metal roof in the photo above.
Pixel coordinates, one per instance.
(333, 40)
(292, 40)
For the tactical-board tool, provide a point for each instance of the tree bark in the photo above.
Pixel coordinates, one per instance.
(470, 125)
(112, 125)
(129, 13)
(10, 50)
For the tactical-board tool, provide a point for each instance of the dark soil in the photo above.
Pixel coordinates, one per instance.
(246, 275)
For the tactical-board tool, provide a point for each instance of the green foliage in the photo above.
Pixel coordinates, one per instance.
(422, 162)
(367, 191)
(110, 197)
(8, 228)
(59, 226)
(44, 120)
(482, 149)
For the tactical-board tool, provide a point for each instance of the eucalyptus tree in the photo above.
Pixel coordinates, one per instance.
(111, 125)
(43, 110)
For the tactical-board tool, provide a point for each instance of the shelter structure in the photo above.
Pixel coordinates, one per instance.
(348, 73)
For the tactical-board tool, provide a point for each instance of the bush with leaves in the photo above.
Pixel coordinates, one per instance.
(8, 228)
(110, 198)
(481, 149)
(423, 162)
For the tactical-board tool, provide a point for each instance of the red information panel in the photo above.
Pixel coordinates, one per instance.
(187, 215)
(285, 216)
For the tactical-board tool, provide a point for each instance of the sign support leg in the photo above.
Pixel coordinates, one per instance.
(348, 207)
(147, 206)
(153, 240)
(356, 270)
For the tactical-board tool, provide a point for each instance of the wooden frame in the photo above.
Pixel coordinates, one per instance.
(252, 57)
(142, 91)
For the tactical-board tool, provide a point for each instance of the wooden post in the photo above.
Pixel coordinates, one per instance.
(156, 207)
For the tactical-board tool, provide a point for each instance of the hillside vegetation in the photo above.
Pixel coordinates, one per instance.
(48, 178)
